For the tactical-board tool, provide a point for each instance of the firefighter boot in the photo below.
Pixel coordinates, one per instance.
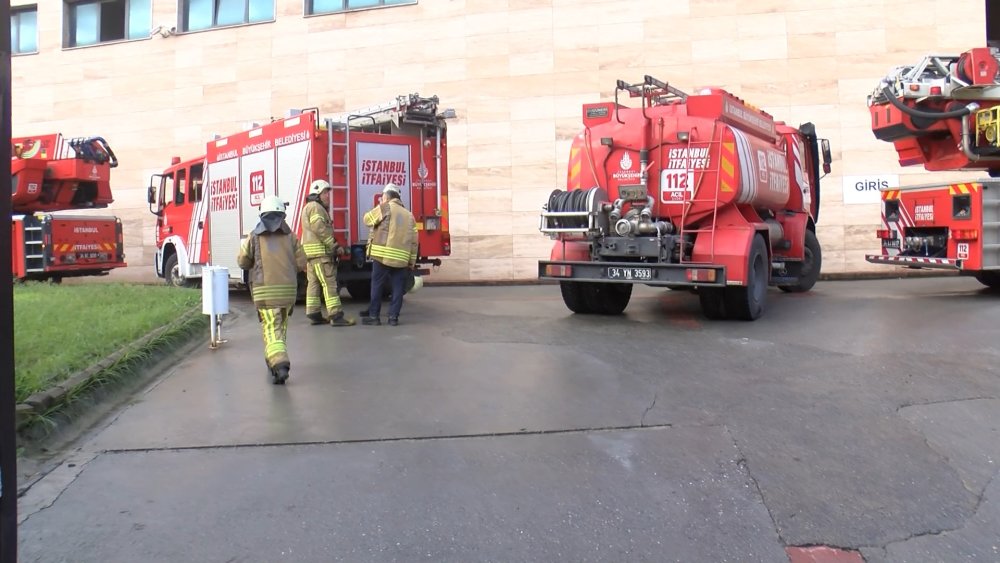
(340, 320)
(280, 373)
(316, 318)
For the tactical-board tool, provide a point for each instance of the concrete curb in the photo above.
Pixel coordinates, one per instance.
(44, 401)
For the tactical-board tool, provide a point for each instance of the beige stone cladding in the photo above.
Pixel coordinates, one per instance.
(516, 72)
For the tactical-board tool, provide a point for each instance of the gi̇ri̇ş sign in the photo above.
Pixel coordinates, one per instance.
(868, 189)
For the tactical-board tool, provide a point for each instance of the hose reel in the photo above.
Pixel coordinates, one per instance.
(577, 211)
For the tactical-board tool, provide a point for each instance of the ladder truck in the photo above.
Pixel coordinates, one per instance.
(943, 113)
(51, 174)
(699, 191)
(206, 205)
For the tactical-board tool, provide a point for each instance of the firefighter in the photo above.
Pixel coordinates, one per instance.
(392, 247)
(321, 251)
(273, 258)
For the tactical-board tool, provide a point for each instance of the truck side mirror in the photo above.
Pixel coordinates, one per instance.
(150, 195)
(827, 156)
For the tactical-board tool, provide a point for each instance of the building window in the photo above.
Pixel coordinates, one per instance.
(330, 6)
(90, 23)
(206, 14)
(24, 30)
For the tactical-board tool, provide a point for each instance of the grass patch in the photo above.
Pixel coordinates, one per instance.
(62, 329)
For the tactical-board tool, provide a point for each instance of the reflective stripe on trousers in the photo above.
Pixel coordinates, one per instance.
(274, 324)
(321, 287)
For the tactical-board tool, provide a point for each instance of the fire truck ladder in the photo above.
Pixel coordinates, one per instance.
(34, 248)
(715, 146)
(345, 188)
(652, 91)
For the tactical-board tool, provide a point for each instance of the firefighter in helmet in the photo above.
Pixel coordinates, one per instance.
(321, 251)
(273, 258)
(392, 247)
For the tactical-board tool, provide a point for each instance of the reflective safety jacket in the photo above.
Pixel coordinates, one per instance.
(274, 260)
(317, 231)
(393, 241)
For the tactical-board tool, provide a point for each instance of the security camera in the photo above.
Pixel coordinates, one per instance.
(164, 31)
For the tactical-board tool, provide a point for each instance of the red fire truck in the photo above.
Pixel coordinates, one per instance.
(51, 174)
(205, 206)
(699, 191)
(944, 113)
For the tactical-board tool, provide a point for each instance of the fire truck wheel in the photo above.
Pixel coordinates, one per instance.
(713, 302)
(359, 290)
(301, 285)
(747, 303)
(607, 298)
(572, 294)
(990, 279)
(808, 270)
(172, 273)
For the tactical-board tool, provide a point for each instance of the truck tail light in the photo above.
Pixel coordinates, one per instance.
(883, 234)
(965, 234)
(558, 271)
(935, 90)
(700, 275)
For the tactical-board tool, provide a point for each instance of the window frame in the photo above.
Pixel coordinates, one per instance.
(308, 9)
(180, 187)
(70, 19)
(15, 12)
(184, 16)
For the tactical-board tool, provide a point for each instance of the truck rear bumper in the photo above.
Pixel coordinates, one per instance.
(706, 275)
(915, 262)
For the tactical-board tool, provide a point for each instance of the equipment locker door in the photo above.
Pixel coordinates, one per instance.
(224, 214)
(377, 165)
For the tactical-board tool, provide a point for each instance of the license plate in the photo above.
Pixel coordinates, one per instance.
(643, 274)
(890, 243)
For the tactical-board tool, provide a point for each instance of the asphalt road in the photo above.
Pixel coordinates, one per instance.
(494, 425)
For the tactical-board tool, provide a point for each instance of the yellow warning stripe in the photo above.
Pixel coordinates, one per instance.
(727, 166)
(956, 189)
(890, 195)
(573, 180)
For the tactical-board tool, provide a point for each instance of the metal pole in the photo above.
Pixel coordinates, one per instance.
(8, 437)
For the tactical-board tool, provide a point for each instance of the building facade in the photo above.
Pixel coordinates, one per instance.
(159, 78)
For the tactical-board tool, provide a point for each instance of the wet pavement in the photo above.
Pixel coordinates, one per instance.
(494, 425)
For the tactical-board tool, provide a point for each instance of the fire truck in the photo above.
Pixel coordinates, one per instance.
(700, 191)
(207, 205)
(944, 113)
(51, 174)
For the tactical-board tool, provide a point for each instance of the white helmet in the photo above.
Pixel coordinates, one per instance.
(319, 186)
(271, 204)
(390, 188)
